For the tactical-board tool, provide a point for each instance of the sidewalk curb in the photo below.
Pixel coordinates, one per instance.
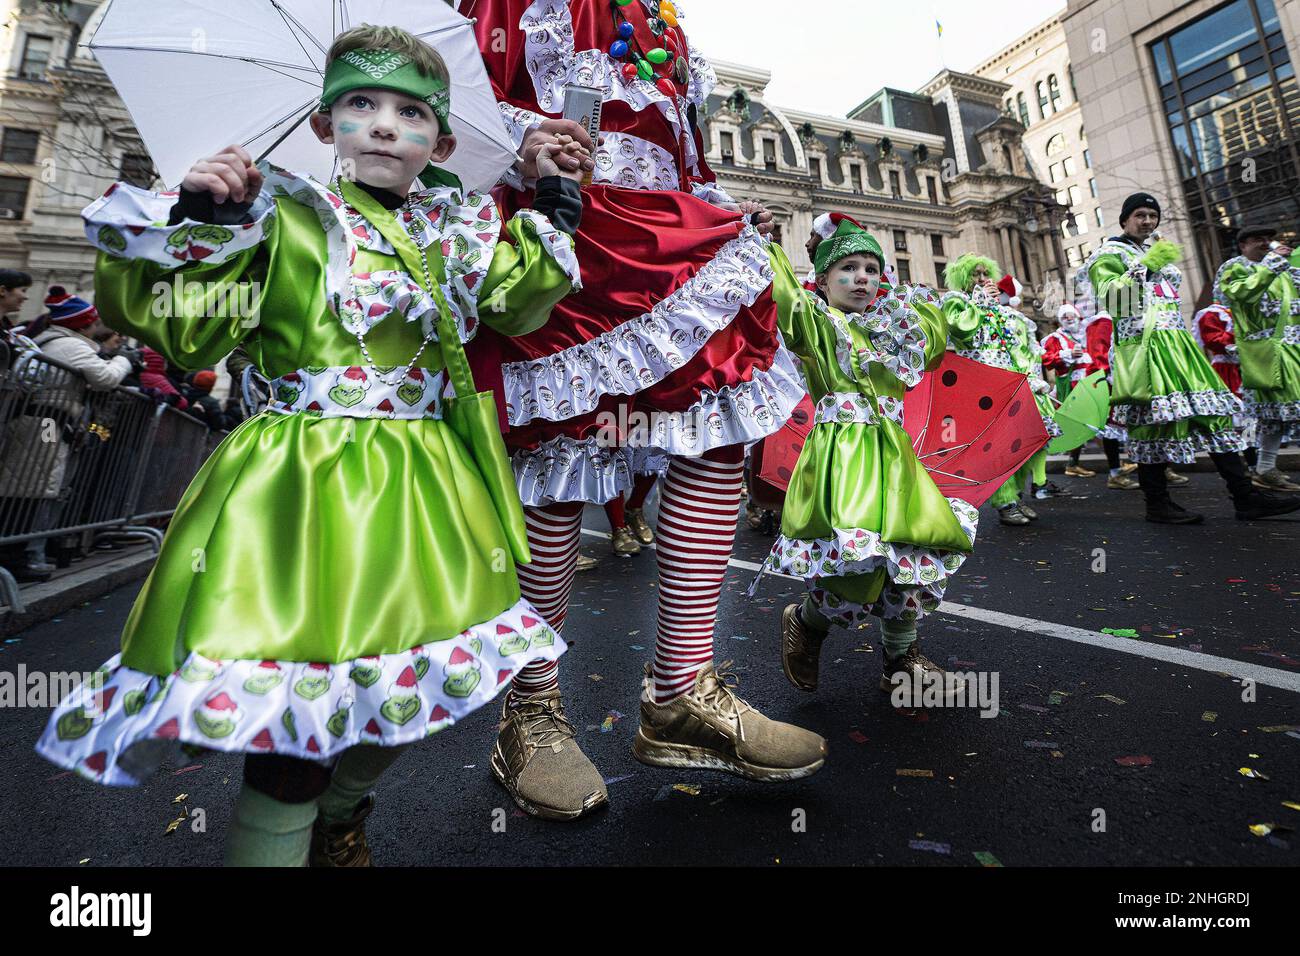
(52, 598)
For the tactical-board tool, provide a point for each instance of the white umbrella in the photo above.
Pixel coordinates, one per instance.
(198, 75)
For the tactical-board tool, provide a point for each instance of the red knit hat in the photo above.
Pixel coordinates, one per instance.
(68, 310)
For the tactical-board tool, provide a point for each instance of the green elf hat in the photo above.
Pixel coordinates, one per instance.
(842, 236)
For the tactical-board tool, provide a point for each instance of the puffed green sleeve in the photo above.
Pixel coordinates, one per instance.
(1108, 276)
(1243, 285)
(963, 317)
(796, 312)
(529, 274)
(190, 290)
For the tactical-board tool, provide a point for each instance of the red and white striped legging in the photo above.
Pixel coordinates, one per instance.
(546, 583)
(697, 526)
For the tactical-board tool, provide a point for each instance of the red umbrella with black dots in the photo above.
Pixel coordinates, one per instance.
(973, 426)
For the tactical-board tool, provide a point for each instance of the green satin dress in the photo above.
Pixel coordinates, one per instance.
(863, 523)
(1265, 301)
(336, 573)
(1163, 388)
(1000, 336)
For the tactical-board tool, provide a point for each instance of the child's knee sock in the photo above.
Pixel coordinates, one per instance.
(811, 616)
(1270, 440)
(266, 832)
(898, 636)
(354, 777)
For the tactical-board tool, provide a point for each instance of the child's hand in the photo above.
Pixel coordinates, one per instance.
(230, 174)
(759, 216)
(551, 155)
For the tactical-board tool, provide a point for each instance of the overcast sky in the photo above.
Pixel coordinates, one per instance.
(827, 56)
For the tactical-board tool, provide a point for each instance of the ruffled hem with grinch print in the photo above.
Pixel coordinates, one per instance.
(123, 726)
(1180, 441)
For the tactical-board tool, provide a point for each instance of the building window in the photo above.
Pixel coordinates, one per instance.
(1054, 91)
(1085, 250)
(938, 272)
(1101, 222)
(1056, 145)
(776, 233)
(1068, 166)
(936, 243)
(1081, 225)
(1087, 158)
(904, 271)
(1063, 197)
(1092, 188)
(18, 146)
(769, 155)
(895, 184)
(1222, 109)
(900, 240)
(1072, 256)
(1006, 158)
(815, 167)
(1069, 228)
(36, 57)
(932, 189)
(13, 196)
(1024, 110)
(1010, 107)
(1054, 172)
(1042, 99)
(1076, 196)
(1074, 93)
(857, 177)
(727, 142)
(137, 169)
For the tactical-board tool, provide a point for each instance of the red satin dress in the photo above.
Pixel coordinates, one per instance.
(675, 313)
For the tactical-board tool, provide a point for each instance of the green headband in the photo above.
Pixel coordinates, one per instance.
(386, 70)
(848, 240)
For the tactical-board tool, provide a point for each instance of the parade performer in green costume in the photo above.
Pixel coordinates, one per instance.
(1262, 287)
(863, 525)
(339, 579)
(1165, 391)
(985, 326)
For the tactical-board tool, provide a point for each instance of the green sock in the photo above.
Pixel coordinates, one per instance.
(898, 636)
(354, 776)
(266, 832)
(811, 617)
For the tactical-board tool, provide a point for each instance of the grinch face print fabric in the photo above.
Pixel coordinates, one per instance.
(117, 730)
(359, 391)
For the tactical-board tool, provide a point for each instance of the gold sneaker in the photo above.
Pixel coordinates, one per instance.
(1128, 469)
(1175, 478)
(342, 843)
(637, 523)
(1078, 471)
(623, 542)
(801, 649)
(538, 761)
(710, 728)
(915, 668)
(1121, 482)
(1273, 480)
(585, 563)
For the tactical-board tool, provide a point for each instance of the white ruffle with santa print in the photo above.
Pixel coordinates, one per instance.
(123, 729)
(131, 222)
(915, 577)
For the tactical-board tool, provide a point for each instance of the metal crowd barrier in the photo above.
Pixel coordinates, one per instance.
(76, 462)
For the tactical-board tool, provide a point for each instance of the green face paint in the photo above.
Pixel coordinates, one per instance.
(346, 127)
(416, 138)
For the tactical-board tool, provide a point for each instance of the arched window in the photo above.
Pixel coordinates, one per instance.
(1024, 110)
(1056, 145)
(1054, 90)
(1042, 100)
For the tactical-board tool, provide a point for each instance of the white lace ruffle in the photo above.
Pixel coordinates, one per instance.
(570, 469)
(1177, 406)
(640, 352)
(119, 732)
(896, 336)
(1183, 450)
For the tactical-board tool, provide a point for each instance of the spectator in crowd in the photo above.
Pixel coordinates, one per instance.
(14, 286)
(70, 340)
(197, 390)
(155, 381)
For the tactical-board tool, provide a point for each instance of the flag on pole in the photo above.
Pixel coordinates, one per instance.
(938, 26)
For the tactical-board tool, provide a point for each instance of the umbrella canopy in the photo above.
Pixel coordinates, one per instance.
(1082, 414)
(972, 426)
(198, 75)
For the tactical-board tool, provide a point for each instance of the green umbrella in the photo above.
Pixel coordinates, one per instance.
(1082, 415)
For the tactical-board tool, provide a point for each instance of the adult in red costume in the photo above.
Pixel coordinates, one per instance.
(670, 348)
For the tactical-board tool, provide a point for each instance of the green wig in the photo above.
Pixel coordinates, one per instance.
(958, 273)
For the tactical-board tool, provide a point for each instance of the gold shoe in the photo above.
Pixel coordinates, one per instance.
(1273, 480)
(913, 667)
(637, 523)
(342, 843)
(1121, 482)
(1128, 469)
(538, 760)
(710, 728)
(1175, 478)
(801, 649)
(585, 563)
(623, 542)
(1078, 471)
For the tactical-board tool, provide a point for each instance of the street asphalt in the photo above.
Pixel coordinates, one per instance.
(1097, 756)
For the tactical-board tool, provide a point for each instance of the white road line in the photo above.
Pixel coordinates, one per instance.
(1266, 676)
